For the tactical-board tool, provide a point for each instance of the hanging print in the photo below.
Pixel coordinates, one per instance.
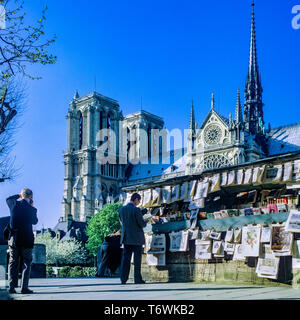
(251, 241)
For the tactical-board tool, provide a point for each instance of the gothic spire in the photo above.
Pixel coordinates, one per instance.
(192, 125)
(213, 101)
(253, 74)
(253, 113)
(238, 110)
(76, 95)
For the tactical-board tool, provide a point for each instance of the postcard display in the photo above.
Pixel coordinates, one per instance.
(267, 243)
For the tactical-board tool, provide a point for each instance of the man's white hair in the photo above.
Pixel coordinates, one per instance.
(26, 193)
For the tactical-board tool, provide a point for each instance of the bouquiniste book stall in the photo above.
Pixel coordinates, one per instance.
(247, 214)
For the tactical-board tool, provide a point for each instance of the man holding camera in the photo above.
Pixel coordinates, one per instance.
(21, 238)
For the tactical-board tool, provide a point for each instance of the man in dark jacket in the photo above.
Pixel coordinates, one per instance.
(21, 238)
(133, 238)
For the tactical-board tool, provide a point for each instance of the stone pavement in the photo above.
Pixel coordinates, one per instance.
(111, 289)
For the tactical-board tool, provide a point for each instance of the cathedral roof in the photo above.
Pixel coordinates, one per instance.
(285, 139)
(176, 164)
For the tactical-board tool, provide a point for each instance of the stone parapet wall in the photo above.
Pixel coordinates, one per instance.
(182, 268)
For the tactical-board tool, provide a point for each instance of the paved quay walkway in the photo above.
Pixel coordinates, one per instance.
(111, 289)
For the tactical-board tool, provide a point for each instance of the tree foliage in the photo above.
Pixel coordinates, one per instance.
(102, 224)
(70, 252)
(22, 43)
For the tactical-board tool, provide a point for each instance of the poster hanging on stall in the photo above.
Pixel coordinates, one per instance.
(156, 196)
(282, 241)
(156, 259)
(229, 236)
(239, 253)
(175, 193)
(296, 171)
(229, 248)
(251, 241)
(268, 268)
(266, 252)
(293, 222)
(218, 248)
(184, 191)
(287, 173)
(237, 235)
(179, 241)
(204, 235)
(155, 243)
(203, 249)
(166, 194)
(266, 235)
(296, 255)
(248, 176)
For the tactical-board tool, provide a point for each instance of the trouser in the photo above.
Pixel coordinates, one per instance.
(126, 260)
(104, 260)
(15, 254)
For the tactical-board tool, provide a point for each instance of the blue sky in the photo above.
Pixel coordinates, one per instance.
(168, 53)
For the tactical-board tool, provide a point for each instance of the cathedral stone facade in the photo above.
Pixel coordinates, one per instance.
(219, 142)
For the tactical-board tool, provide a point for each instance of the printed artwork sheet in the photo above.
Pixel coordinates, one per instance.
(156, 259)
(282, 241)
(251, 241)
(179, 241)
(267, 268)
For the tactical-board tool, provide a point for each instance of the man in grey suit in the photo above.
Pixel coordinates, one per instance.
(133, 238)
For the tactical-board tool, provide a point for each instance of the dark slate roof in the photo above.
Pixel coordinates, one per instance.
(3, 223)
(71, 234)
(143, 171)
(285, 139)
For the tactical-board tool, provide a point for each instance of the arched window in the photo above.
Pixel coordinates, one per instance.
(80, 130)
(149, 141)
(128, 143)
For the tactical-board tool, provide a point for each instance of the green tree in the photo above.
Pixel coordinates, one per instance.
(22, 43)
(69, 252)
(102, 224)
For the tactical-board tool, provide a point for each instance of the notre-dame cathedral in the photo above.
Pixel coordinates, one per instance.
(219, 142)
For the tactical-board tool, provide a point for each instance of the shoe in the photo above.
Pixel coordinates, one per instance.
(123, 282)
(26, 291)
(12, 291)
(140, 282)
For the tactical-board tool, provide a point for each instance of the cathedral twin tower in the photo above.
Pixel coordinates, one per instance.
(90, 184)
